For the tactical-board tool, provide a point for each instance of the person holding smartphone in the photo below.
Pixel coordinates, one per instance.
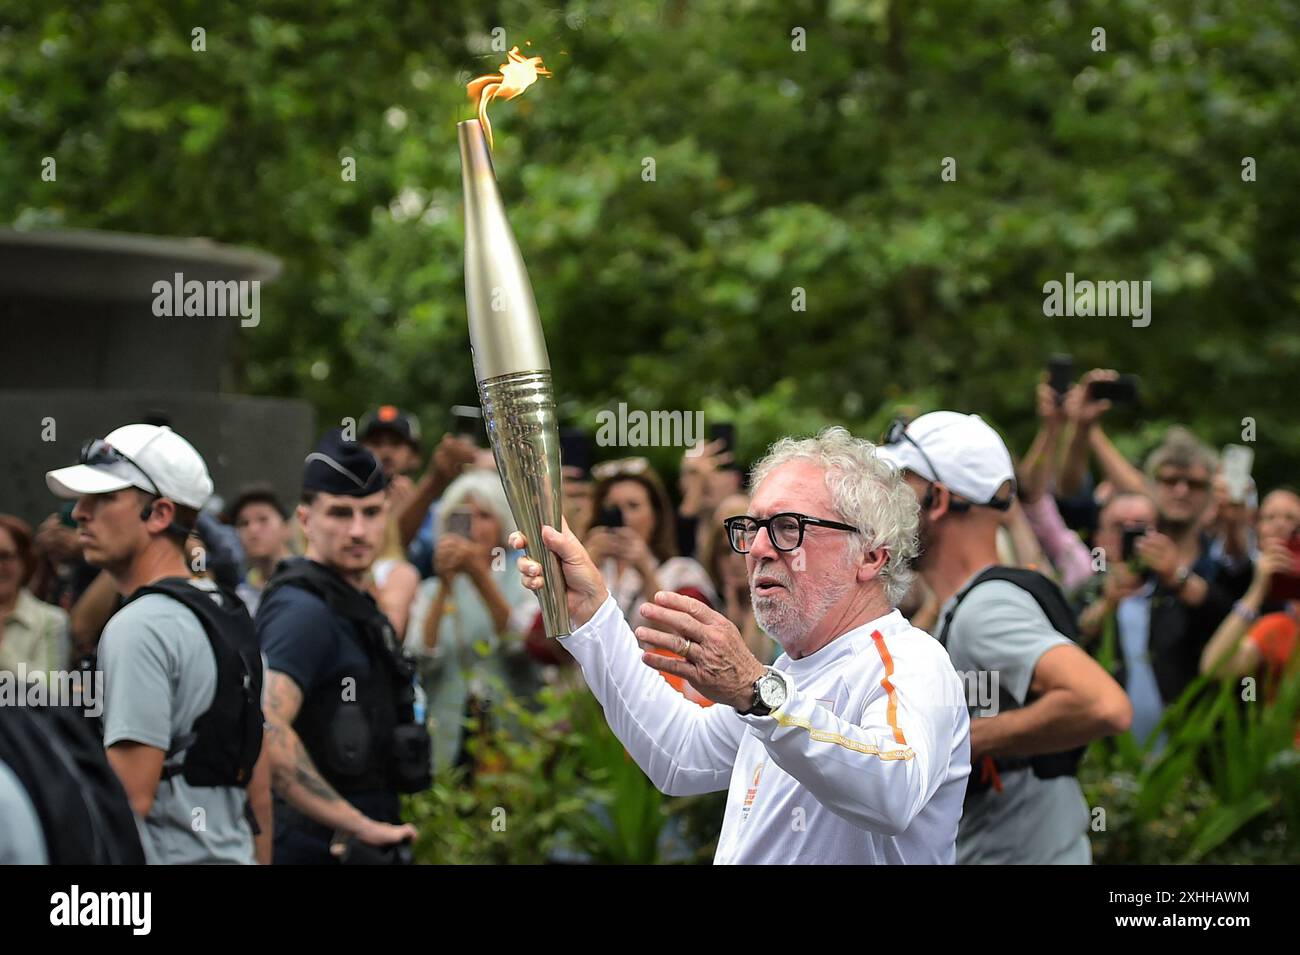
(1126, 518)
(464, 622)
(633, 542)
(1262, 627)
(709, 473)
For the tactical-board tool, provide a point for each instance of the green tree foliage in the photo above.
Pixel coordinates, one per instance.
(775, 169)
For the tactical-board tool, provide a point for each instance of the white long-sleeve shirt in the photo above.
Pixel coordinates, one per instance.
(865, 763)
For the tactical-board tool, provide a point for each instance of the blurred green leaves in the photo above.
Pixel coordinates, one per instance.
(774, 170)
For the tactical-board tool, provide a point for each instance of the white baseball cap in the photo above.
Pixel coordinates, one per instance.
(150, 457)
(959, 451)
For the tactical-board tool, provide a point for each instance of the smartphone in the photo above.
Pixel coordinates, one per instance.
(1131, 534)
(1237, 461)
(459, 523)
(1122, 391)
(610, 517)
(1285, 587)
(724, 431)
(576, 450)
(467, 422)
(1060, 374)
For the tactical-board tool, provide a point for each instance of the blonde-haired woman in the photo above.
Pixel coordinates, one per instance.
(394, 580)
(460, 628)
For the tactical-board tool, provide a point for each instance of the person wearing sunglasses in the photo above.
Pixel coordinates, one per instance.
(858, 732)
(181, 726)
(1196, 565)
(1012, 625)
(1204, 571)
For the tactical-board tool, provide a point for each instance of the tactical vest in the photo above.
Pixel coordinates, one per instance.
(360, 730)
(223, 745)
(1057, 610)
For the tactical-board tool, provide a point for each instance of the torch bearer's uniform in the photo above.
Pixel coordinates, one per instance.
(865, 763)
(867, 760)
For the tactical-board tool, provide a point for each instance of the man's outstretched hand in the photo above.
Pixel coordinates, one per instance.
(585, 589)
(717, 662)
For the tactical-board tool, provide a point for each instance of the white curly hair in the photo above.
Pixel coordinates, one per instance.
(485, 487)
(867, 492)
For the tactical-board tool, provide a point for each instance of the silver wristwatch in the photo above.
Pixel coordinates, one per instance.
(770, 692)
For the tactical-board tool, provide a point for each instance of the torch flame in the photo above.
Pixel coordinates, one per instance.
(517, 74)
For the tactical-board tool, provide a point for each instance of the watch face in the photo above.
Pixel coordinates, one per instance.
(771, 690)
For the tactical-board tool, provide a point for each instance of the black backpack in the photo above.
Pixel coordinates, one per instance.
(224, 742)
(85, 816)
(1057, 609)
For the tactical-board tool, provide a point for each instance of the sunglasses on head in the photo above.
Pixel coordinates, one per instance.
(619, 467)
(897, 434)
(98, 451)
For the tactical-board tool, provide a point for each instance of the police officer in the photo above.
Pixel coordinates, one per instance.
(342, 730)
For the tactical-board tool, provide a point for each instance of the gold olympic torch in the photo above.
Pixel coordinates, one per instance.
(510, 360)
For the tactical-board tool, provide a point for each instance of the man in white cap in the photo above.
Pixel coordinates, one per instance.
(1012, 626)
(182, 675)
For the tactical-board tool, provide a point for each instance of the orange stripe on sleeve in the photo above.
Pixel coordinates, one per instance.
(889, 687)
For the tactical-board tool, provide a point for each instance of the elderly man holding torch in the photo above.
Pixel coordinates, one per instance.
(855, 746)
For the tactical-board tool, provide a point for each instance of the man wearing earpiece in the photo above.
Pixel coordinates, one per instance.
(182, 673)
(1009, 624)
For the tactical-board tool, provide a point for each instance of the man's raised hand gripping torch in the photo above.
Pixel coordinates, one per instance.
(584, 588)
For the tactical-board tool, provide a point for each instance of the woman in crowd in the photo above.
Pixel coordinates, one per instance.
(633, 541)
(708, 474)
(32, 633)
(463, 622)
(1262, 627)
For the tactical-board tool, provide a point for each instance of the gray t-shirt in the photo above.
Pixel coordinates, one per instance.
(22, 842)
(999, 628)
(160, 675)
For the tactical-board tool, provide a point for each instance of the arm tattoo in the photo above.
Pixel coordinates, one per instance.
(291, 764)
(309, 778)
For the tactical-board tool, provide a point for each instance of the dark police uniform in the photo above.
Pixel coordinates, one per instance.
(357, 719)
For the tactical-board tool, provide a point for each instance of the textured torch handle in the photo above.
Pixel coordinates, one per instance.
(519, 411)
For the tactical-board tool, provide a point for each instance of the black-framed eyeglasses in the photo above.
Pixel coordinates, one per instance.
(99, 451)
(785, 530)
